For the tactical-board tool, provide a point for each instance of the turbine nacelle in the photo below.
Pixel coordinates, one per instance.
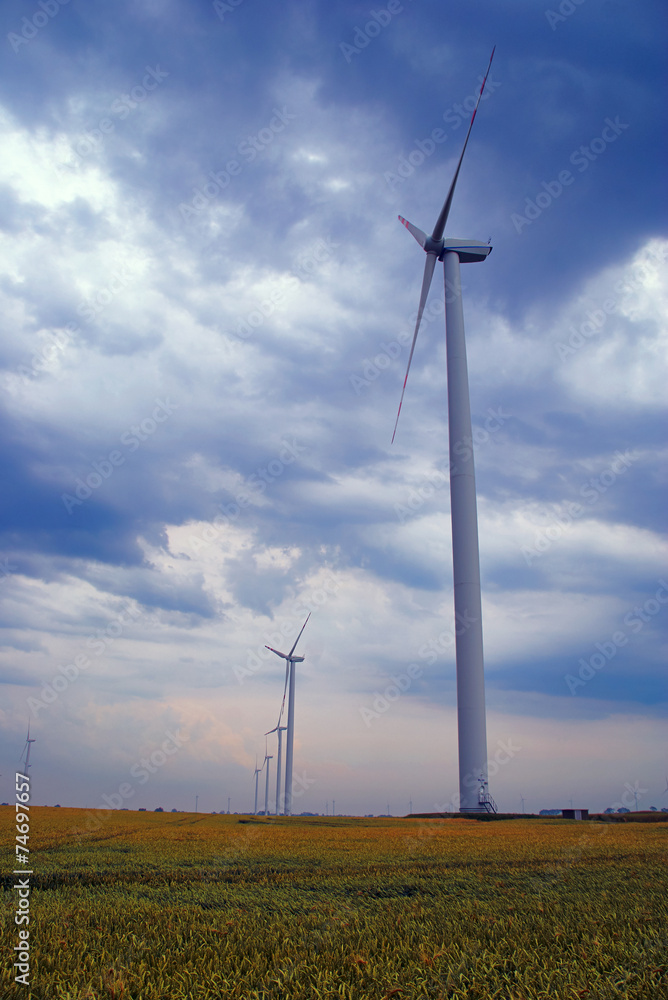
(468, 251)
(286, 656)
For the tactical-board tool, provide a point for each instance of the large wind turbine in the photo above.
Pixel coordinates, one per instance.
(291, 660)
(473, 794)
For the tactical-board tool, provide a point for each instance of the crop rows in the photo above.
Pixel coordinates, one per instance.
(152, 906)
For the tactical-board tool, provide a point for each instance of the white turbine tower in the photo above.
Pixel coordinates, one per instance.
(291, 660)
(279, 729)
(26, 752)
(471, 721)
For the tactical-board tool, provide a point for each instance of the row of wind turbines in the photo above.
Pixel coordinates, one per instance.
(471, 718)
(284, 804)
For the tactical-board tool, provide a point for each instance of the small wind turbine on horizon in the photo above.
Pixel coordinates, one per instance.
(522, 800)
(267, 758)
(290, 659)
(256, 775)
(26, 751)
(471, 717)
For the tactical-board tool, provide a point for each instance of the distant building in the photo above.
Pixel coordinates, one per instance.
(575, 814)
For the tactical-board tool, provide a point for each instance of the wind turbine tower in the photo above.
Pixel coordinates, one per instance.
(291, 660)
(471, 718)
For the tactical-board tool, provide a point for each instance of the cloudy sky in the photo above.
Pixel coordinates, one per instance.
(205, 303)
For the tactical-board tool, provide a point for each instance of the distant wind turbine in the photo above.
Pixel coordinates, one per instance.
(471, 718)
(267, 758)
(256, 775)
(26, 751)
(291, 660)
(522, 800)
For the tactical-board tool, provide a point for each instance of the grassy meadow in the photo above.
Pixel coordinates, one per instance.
(145, 906)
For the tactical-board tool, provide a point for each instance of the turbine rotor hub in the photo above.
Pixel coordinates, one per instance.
(434, 246)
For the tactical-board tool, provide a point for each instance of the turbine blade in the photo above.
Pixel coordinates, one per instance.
(429, 266)
(414, 231)
(300, 634)
(445, 211)
(283, 655)
(285, 689)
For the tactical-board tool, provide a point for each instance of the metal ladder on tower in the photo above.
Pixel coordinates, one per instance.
(484, 798)
(489, 803)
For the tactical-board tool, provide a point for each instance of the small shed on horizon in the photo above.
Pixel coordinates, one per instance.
(575, 814)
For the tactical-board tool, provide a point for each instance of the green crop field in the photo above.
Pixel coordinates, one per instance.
(143, 906)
